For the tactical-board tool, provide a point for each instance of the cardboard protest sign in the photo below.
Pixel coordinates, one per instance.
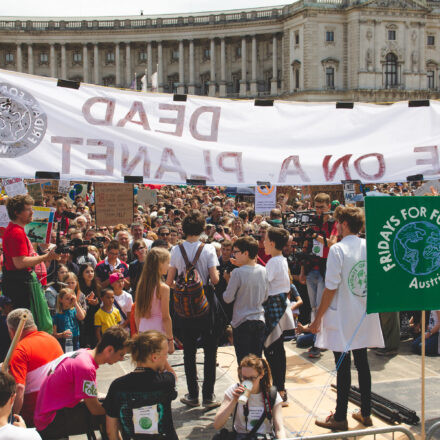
(14, 186)
(34, 190)
(146, 196)
(50, 187)
(403, 253)
(113, 203)
(40, 228)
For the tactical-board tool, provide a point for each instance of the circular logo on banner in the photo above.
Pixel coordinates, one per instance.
(23, 122)
(145, 423)
(417, 247)
(265, 190)
(357, 279)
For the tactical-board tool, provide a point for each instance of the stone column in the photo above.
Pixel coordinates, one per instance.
(243, 84)
(222, 67)
(128, 76)
(274, 82)
(96, 78)
(63, 61)
(212, 82)
(30, 59)
(191, 85)
(85, 64)
(150, 69)
(181, 85)
(19, 58)
(254, 66)
(160, 66)
(118, 65)
(52, 61)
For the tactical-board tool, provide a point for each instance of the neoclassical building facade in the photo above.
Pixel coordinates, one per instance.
(310, 50)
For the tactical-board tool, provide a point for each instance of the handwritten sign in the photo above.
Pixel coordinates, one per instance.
(34, 190)
(14, 186)
(113, 203)
(50, 187)
(265, 199)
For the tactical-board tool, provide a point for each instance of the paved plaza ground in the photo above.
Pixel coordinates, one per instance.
(397, 378)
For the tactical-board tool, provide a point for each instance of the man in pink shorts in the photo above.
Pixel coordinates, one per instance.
(68, 402)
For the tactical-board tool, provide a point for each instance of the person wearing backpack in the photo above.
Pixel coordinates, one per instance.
(258, 416)
(195, 264)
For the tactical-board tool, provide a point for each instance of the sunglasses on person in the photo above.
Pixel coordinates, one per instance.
(164, 234)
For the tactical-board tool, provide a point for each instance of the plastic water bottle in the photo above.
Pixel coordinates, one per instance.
(68, 345)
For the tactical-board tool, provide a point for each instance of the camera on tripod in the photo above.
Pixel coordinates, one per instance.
(78, 247)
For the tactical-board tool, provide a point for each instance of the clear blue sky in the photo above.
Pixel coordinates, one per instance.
(130, 7)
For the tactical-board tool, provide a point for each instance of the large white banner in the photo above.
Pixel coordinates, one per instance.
(103, 134)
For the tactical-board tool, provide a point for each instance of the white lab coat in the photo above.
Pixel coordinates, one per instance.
(346, 272)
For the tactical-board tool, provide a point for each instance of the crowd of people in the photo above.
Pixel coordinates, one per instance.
(198, 269)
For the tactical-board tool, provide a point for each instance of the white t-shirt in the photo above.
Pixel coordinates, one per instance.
(10, 432)
(256, 409)
(208, 258)
(125, 302)
(278, 275)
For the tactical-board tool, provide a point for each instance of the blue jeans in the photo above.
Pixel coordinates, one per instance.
(431, 345)
(315, 287)
(305, 340)
(248, 338)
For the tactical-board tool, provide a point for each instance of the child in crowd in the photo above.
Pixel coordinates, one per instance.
(247, 287)
(123, 300)
(65, 321)
(150, 385)
(152, 311)
(278, 314)
(108, 315)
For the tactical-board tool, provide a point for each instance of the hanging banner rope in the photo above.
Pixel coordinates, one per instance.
(94, 133)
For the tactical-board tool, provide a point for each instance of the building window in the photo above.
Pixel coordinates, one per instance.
(110, 57)
(174, 55)
(297, 79)
(430, 76)
(172, 81)
(391, 77)
(330, 77)
(431, 40)
(391, 35)
(109, 81)
(9, 58)
(207, 53)
(204, 83)
(297, 38)
(77, 57)
(44, 58)
(238, 52)
(329, 36)
(142, 57)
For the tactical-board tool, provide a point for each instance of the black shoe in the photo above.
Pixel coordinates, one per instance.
(190, 401)
(211, 403)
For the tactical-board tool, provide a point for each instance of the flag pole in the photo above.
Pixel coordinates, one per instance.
(423, 373)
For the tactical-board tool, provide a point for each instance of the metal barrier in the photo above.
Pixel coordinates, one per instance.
(364, 432)
(432, 429)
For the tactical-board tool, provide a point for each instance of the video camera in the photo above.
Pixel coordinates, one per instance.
(304, 226)
(79, 246)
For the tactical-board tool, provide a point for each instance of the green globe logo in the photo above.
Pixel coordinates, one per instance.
(357, 279)
(145, 423)
(417, 248)
(316, 249)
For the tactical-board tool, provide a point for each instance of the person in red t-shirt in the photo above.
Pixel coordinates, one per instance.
(30, 362)
(18, 275)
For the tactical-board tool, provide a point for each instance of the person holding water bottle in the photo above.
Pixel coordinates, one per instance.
(254, 403)
(65, 321)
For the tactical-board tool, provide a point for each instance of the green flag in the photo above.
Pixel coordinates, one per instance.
(403, 253)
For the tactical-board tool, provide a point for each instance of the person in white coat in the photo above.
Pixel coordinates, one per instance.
(341, 322)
